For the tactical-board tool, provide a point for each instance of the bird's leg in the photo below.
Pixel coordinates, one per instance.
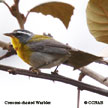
(35, 70)
(105, 79)
(55, 71)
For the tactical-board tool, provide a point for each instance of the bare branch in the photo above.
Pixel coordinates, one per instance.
(54, 77)
(16, 1)
(9, 47)
(4, 45)
(86, 71)
(14, 10)
(19, 16)
(94, 75)
(7, 5)
(8, 54)
(27, 15)
(81, 76)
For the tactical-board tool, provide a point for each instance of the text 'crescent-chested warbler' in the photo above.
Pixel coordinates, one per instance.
(41, 51)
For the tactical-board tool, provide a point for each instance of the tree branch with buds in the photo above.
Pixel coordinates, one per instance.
(54, 77)
(14, 10)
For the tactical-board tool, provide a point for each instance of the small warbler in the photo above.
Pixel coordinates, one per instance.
(42, 51)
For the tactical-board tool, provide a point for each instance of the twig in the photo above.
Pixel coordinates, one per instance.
(86, 71)
(7, 5)
(94, 75)
(4, 45)
(54, 77)
(8, 54)
(9, 47)
(27, 15)
(81, 76)
(16, 13)
(14, 10)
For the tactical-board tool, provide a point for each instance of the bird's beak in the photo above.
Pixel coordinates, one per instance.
(8, 34)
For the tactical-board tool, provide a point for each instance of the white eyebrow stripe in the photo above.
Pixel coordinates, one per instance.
(23, 32)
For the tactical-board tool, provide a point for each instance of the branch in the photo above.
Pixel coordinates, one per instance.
(16, 13)
(94, 75)
(7, 6)
(4, 45)
(86, 71)
(9, 47)
(54, 77)
(8, 54)
(81, 76)
(14, 10)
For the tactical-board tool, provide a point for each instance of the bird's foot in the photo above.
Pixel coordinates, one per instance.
(37, 71)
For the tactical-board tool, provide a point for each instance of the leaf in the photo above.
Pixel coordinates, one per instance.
(60, 10)
(97, 19)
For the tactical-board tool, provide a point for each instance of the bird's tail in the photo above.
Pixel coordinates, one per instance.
(79, 59)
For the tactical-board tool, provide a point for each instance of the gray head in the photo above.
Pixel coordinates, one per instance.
(22, 35)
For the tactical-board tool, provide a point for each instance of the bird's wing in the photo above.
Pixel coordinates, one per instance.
(77, 58)
(50, 46)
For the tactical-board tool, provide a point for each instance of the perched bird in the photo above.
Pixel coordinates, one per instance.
(42, 51)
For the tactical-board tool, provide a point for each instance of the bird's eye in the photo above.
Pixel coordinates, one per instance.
(22, 33)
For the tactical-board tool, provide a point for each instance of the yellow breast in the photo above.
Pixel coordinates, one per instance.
(22, 50)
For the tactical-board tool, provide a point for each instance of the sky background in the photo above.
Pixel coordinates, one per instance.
(23, 88)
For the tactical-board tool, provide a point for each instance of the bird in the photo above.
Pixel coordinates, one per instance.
(43, 51)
